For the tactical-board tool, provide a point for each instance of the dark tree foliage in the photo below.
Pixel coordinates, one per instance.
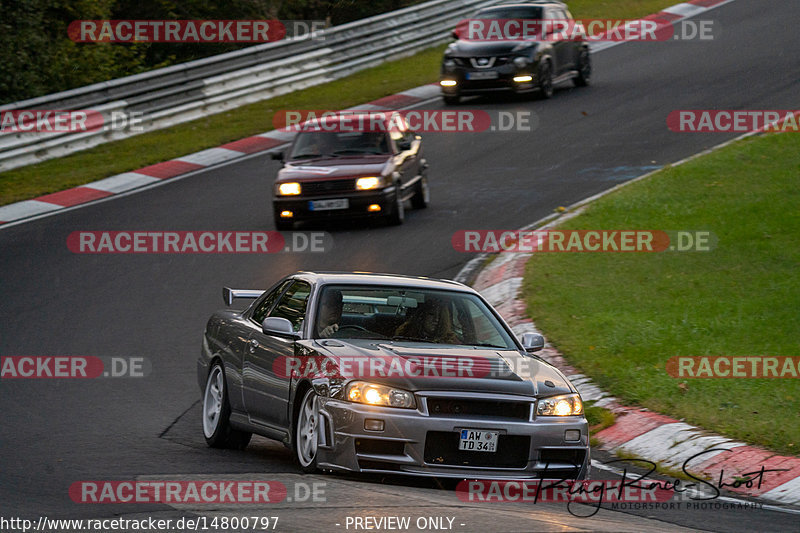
(37, 57)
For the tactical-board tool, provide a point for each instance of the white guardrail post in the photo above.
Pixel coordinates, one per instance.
(188, 91)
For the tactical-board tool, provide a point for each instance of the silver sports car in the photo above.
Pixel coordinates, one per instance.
(392, 374)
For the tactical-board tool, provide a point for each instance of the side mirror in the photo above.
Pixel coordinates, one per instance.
(274, 325)
(404, 145)
(277, 156)
(532, 342)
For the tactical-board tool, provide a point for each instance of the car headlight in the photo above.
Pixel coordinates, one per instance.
(366, 184)
(449, 65)
(566, 405)
(290, 188)
(521, 62)
(373, 394)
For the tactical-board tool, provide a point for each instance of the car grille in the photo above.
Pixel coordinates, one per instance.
(441, 448)
(328, 186)
(472, 62)
(494, 409)
(380, 447)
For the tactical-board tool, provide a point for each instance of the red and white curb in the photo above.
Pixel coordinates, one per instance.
(637, 431)
(161, 172)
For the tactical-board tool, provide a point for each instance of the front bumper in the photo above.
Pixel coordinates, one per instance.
(358, 204)
(504, 80)
(416, 442)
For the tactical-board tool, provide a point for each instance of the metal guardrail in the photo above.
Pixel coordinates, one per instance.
(192, 90)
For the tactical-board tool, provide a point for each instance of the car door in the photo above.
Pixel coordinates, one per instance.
(562, 47)
(407, 153)
(266, 393)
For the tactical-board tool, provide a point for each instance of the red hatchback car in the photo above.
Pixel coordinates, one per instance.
(350, 165)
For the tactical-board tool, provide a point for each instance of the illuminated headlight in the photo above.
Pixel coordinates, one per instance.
(448, 83)
(366, 184)
(449, 65)
(291, 188)
(521, 62)
(373, 394)
(566, 405)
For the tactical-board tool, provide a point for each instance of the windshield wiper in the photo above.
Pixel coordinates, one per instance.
(353, 151)
(312, 156)
(404, 338)
(485, 345)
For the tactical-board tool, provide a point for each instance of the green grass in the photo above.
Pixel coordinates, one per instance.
(599, 418)
(616, 9)
(161, 145)
(620, 317)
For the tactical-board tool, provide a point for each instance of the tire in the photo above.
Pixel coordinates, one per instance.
(306, 432)
(422, 197)
(451, 99)
(283, 225)
(398, 214)
(584, 69)
(545, 80)
(216, 414)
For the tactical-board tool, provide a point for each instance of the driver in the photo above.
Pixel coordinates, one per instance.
(330, 313)
(431, 323)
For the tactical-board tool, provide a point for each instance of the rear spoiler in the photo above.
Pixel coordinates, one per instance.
(229, 294)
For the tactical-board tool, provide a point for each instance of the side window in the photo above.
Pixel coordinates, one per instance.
(266, 304)
(292, 305)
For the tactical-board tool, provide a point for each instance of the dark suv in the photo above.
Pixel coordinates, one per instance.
(491, 60)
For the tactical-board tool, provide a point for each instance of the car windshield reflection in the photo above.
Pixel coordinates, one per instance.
(406, 315)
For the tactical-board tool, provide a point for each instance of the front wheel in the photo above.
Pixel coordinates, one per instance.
(422, 196)
(281, 224)
(217, 429)
(451, 99)
(306, 437)
(584, 70)
(545, 80)
(398, 214)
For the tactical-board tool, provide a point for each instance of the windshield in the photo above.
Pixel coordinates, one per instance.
(310, 144)
(509, 13)
(408, 315)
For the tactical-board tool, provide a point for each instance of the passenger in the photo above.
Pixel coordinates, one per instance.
(430, 323)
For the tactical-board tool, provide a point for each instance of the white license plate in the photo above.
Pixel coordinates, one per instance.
(328, 205)
(475, 440)
(488, 75)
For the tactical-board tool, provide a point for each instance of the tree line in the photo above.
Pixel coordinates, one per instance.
(37, 57)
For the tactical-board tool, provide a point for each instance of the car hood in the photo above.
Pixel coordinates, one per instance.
(425, 366)
(486, 48)
(338, 167)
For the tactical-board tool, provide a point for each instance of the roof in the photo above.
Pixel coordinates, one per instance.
(376, 278)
